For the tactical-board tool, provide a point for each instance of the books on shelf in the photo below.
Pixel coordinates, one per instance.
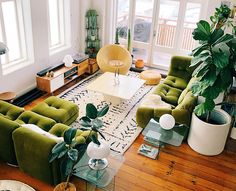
(148, 151)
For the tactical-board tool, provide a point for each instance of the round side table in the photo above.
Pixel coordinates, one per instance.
(152, 77)
(7, 96)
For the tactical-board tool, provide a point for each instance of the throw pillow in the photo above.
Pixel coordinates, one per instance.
(38, 130)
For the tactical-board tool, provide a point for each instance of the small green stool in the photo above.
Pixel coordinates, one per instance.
(62, 111)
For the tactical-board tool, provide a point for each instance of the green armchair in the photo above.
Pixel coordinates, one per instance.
(8, 113)
(176, 91)
(33, 149)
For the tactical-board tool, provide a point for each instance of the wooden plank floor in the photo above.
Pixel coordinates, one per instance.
(177, 169)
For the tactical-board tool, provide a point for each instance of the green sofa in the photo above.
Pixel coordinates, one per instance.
(175, 91)
(33, 149)
(21, 146)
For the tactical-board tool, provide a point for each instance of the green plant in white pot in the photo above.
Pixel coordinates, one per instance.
(214, 60)
(71, 149)
(96, 150)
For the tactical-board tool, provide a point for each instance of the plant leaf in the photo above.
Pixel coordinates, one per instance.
(217, 33)
(81, 148)
(203, 56)
(63, 152)
(85, 118)
(221, 60)
(199, 49)
(205, 107)
(97, 123)
(69, 135)
(95, 140)
(58, 147)
(103, 111)
(73, 154)
(226, 38)
(66, 167)
(210, 77)
(202, 32)
(85, 123)
(52, 157)
(202, 68)
(91, 111)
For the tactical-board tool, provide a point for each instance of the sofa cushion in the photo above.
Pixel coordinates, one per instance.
(9, 110)
(188, 103)
(58, 109)
(186, 90)
(167, 93)
(179, 67)
(175, 82)
(29, 117)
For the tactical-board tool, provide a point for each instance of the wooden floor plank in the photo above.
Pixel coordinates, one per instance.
(177, 169)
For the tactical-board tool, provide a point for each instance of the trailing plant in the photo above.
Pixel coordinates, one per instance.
(69, 150)
(214, 60)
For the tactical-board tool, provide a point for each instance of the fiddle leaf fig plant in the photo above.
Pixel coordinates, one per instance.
(214, 61)
(69, 151)
(91, 120)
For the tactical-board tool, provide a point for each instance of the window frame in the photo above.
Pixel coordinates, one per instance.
(64, 27)
(148, 46)
(24, 29)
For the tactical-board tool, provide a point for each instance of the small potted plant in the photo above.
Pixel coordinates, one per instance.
(69, 151)
(214, 62)
(96, 150)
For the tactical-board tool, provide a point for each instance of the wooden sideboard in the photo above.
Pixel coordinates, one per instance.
(63, 75)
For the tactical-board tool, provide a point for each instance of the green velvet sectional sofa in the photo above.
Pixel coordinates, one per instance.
(175, 91)
(29, 149)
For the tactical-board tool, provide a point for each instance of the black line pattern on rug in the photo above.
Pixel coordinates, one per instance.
(120, 128)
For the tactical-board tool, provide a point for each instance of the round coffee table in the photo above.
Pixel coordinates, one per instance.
(7, 96)
(13, 185)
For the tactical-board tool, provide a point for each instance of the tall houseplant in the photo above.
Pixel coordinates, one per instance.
(69, 151)
(214, 60)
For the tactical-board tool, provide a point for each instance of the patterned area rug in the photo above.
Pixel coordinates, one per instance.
(120, 128)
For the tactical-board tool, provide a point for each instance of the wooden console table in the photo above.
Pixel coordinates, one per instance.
(63, 75)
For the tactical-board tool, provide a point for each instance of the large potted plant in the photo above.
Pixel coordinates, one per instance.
(69, 151)
(214, 60)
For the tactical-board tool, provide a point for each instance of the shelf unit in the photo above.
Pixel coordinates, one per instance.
(92, 39)
(63, 75)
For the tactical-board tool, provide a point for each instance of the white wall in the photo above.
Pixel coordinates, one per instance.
(22, 80)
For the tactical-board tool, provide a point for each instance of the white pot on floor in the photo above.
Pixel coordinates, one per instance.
(209, 139)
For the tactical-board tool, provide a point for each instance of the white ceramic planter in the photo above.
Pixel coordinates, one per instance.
(233, 133)
(206, 138)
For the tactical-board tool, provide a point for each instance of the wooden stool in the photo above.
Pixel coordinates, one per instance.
(152, 77)
(7, 96)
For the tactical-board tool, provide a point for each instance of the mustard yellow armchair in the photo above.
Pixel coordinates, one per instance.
(113, 52)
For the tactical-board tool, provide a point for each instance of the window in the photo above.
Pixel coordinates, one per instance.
(59, 25)
(15, 26)
(159, 29)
